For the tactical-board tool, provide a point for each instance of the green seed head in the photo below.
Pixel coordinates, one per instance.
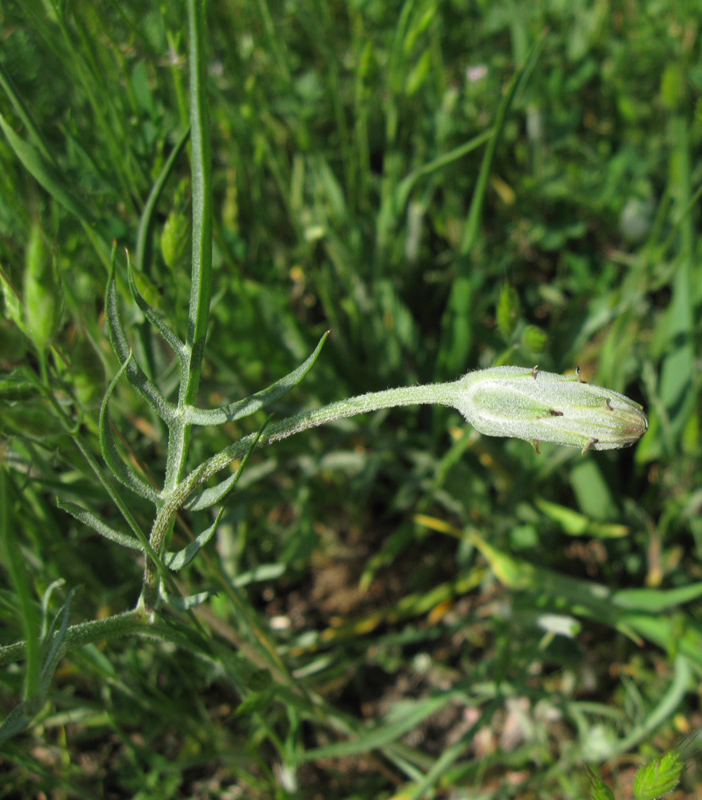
(545, 407)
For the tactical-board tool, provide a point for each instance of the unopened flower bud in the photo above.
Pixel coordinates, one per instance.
(545, 407)
(42, 302)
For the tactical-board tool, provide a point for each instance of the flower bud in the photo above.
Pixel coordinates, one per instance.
(42, 302)
(175, 240)
(545, 407)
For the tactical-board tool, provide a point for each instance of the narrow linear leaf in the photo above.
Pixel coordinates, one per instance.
(201, 173)
(405, 187)
(213, 495)
(575, 524)
(256, 700)
(120, 344)
(264, 572)
(45, 601)
(476, 206)
(681, 684)
(384, 735)
(14, 562)
(678, 367)
(23, 113)
(599, 789)
(508, 310)
(663, 631)
(89, 519)
(186, 603)
(56, 646)
(155, 319)
(21, 716)
(45, 174)
(455, 324)
(124, 474)
(182, 558)
(655, 600)
(216, 494)
(143, 254)
(249, 405)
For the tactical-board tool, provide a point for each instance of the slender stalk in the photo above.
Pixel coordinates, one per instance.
(94, 631)
(442, 393)
(200, 280)
(201, 198)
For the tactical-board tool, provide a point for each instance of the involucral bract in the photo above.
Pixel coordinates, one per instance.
(545, 407)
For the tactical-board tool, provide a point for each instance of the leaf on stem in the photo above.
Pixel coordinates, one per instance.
(215, 494)
(186, 603)
(120, 344)
(143, 255)
(99, 526)
(54, 640)
(182, 558)
(249, 405)
(113, 459)
(600, 790)
(176, 345)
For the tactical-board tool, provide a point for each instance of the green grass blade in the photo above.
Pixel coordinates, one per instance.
(45, 174)
(407, 184)
(146, 222)
(55, 184)
(13, 561)
(656, 600)
(24, 115)
(455, 324)
(407, 718)
(665, 708)
(519, 79)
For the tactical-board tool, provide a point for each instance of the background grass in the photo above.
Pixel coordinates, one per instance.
(403, 608)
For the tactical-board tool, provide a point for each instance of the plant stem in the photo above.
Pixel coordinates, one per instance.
(441, 393)
(200, 279)
(130, 622)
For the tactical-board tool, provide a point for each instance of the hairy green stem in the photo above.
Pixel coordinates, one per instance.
(502, 401)
(442, 393)
(200, 279)
(130, 622)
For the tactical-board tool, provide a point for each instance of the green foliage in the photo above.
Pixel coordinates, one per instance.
(658, 778)
(391, 605)
(652, 781)
(599, 789)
